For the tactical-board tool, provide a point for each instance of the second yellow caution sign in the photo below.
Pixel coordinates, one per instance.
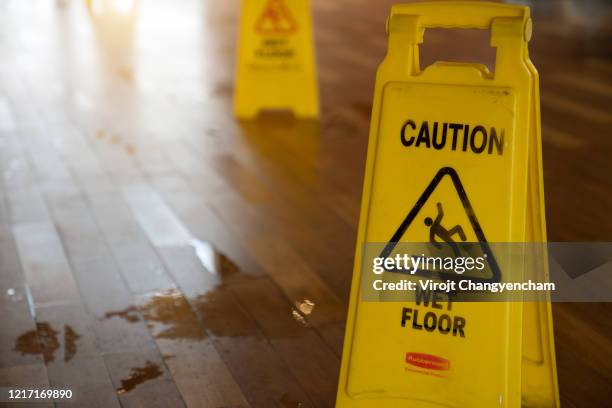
(276, 65)
(453, 156)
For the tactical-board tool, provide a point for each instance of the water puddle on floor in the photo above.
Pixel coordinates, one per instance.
(171, 316)
(129, 314)
(70, 342)
(44, 341)
(219, 265)
(170, 309)
(139, 375)
(166, 313)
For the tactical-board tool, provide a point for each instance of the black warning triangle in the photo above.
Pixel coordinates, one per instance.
(469, 211)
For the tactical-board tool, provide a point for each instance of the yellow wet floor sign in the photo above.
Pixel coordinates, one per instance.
(276, 66)
(454, 155)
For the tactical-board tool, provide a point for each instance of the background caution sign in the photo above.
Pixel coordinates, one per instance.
(452, 159)
(276, 66)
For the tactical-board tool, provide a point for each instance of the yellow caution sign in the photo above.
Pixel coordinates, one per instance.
(453, 158)
(276, 66)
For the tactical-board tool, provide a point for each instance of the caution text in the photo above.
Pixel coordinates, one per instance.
(453, 136)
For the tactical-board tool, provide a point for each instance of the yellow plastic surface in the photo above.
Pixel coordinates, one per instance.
(539, 370)
(276, 66)
(506, 358)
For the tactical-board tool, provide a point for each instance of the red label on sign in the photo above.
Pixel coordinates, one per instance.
(428, 361)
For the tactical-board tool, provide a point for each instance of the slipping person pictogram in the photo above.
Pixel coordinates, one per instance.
(446, 235)
(440, 235)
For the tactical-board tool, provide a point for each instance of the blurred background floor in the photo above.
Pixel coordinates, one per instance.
(155, 252)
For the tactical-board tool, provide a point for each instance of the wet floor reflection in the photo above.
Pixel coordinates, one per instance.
(301, 310)
(139, 375)
(222, 269)
(167, 314)
(305, 307)
(170, 316)
(213, 260)
(222, 311)
(70, 342)
(44, 341)
(229, 274)
(299, 318)
(129, 314)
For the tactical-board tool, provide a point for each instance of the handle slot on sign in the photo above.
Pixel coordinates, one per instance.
(458, 46)
(510, 30)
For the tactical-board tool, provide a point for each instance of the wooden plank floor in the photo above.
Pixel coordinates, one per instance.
(155, 252)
